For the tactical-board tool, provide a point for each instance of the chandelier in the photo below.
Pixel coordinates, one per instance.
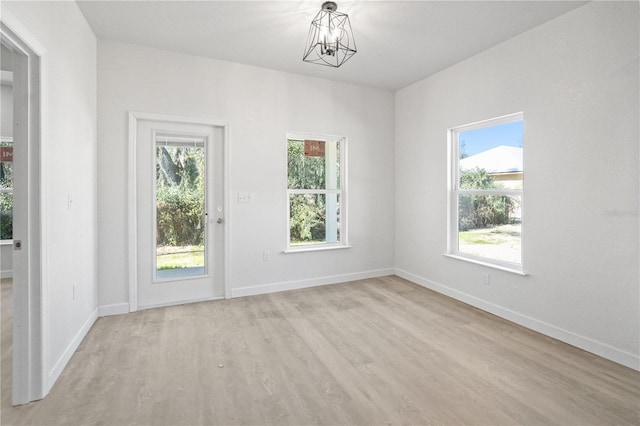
(330, 41)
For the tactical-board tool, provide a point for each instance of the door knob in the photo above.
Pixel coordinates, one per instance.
(219, 220)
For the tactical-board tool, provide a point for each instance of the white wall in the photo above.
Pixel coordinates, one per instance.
(261, 106)
(576, 79)
(69, 164)
(6, 130)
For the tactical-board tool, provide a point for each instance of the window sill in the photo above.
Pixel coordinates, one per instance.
(6, 242)
(308, 249)
(505, 268)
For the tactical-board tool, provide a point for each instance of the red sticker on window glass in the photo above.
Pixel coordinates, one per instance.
(313, 148)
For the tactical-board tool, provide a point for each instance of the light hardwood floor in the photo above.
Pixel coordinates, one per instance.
(378, 351)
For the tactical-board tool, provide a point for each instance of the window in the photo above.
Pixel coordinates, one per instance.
(6, 189)
(486, 192)
(316, 192)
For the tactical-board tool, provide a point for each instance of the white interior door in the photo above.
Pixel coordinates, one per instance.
(180, 212)
(29, 296)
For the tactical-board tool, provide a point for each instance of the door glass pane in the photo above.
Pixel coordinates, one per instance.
(6, 190)
(180, 207)
(6, 215)
(489, 226)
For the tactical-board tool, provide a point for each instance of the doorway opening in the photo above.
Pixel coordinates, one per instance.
(22, 347)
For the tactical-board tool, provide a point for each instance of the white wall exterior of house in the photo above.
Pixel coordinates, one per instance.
(576, 80)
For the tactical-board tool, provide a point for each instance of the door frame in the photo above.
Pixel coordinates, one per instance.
(30, 380)
(134, 117)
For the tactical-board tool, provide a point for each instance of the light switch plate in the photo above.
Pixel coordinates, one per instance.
(245, 197)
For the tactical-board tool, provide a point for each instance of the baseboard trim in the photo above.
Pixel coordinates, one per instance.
(311, 282)
(64, 359)
(598, 348)
(178, 303)
(114, 309)
(6, 273)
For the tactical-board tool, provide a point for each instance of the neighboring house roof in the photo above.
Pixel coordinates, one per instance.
(501, 159)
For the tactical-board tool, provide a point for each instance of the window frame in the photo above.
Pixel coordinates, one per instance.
(454, 192)
(6, 139)
(341, 191)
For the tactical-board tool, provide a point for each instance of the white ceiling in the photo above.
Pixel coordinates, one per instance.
(398, 42)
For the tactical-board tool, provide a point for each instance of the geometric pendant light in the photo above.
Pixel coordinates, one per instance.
(330, 41)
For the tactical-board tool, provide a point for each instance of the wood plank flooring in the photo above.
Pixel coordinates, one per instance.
(373, 352)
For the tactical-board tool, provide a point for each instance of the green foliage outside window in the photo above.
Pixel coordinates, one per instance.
(180, 196)
(307, 220)
(481, 211)
(6, 217)
(304, 172)
(6, 198)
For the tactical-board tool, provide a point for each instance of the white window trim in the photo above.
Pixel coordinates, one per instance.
(453, 192)
(344, 241)
(322, 247)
